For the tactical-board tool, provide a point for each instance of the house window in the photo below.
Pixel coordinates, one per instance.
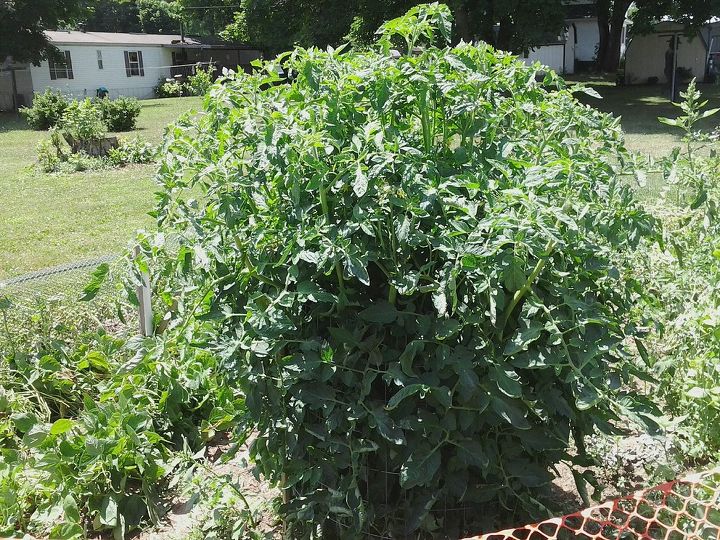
(60, 65)
(99, 59)
(134, 64)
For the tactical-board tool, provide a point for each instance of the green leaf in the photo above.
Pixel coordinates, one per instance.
(36, 436)
(468, 382)
(440, 302)
(697, 393)
(522, 338)
(585, 395)
(132, 510)
(407, 391)
(360, 185)
(387, 428)
(70, 509)
(379, 312)
(312, 292)
(403, 230)
(514, 275)
(588, 90)
(669, 121)
(510, 412)
(61, 426)
(97, 278)
(407, 357)
(699, 200)
(507, 381)
(420, 468)
(446, 328)
(66, 531)
(23, 421)
(108, 512)
(356, 268)
(473, 453)
(418, 511)
(96, 361)
(530, 474)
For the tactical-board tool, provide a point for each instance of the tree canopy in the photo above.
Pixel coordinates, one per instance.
(692, 13)
(22, 23)
(515, 24)
(150, 16)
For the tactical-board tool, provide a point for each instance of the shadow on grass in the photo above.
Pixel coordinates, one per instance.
(640, 106)
(10, 121)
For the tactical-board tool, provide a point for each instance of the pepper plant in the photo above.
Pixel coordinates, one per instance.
(407, 263)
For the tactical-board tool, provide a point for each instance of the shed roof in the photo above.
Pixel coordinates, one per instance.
(75, 37)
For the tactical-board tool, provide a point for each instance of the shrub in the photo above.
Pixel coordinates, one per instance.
(119, 114)
(199, 84)
(408, 264)
(166, 89)
(132, 151)
(49, 156)
(82, 121)
(46, 111)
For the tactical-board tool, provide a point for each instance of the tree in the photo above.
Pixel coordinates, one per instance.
(150, 16)
(23, 22)
(159, 17)
(515, 25)
(112, 16)
(691, 13)
(210, 17)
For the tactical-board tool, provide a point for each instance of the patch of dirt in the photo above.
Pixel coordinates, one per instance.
(627, 464)
(187, 515)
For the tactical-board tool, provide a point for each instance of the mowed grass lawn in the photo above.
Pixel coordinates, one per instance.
(640, 105)
(49, 219)
(55, 219)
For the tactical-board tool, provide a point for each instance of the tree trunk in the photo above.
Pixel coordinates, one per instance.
(505, 34)
(603, 31)
(483, 19)
(462, 23)
(610, 59)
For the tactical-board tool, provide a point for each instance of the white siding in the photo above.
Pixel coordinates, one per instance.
(548, 55)
(88, 78)
(23, 83)
(6, 101)
(588, 38)
(570, 51)
(645, 57)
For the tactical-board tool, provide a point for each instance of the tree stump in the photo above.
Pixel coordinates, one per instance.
(92, 147)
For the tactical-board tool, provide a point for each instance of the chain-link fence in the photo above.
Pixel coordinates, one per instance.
(38, 302)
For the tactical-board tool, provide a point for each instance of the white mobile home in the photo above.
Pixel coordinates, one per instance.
(124, 64)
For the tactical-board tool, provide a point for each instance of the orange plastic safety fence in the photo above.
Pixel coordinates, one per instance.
(688, 508)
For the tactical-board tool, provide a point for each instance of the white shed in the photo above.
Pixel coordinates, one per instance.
(645, 55)
(552, 55)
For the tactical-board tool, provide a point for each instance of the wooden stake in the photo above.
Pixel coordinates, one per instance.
(144, 301)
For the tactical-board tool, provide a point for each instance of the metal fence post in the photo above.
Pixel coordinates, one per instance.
(144, 301)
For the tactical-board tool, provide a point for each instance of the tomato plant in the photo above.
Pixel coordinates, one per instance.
(408, 263)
